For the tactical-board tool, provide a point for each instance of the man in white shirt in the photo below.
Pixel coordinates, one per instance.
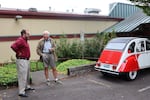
(46, 49)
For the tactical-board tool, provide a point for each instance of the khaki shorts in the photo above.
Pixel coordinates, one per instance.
(48, 60)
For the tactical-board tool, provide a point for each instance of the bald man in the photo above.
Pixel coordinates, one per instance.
(46, 50)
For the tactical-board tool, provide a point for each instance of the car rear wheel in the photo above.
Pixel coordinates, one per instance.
(131, 75)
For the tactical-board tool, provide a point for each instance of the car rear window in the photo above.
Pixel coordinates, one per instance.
(121, 40)
(115, 46)
(118, 43)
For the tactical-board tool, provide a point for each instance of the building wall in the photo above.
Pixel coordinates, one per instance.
(10, 27)
(36, 26)
(6, 52)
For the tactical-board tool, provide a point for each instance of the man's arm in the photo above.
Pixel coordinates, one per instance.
(38, 49)
(16, 45)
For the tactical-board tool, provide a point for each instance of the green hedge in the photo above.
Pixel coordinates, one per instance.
(83, 49)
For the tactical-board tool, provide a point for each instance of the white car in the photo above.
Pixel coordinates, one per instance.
(125, 55)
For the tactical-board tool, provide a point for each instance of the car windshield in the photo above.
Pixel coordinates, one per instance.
(115, 46)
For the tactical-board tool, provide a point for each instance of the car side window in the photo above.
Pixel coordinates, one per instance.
(140, 46)
(147, 45)
(131, 47)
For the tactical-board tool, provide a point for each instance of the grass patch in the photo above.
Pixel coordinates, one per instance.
(62, 67)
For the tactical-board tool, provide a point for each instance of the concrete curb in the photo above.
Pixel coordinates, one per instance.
(79, 70)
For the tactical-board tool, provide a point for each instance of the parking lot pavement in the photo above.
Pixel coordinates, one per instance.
(91, 86)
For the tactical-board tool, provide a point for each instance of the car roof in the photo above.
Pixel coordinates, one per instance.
(124, 39)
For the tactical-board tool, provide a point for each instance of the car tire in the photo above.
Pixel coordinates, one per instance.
(131, 75)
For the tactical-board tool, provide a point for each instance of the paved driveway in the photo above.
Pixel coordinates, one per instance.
(92, 86)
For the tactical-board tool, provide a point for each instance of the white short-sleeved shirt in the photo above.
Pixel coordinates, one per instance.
(47, 46)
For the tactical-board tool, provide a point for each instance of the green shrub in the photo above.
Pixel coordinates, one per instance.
(92, 48)
(63, 48)
(8, 75)
(82, 49)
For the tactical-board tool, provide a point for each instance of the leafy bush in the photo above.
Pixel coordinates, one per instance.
(72, 63)
(68, 49)
(8, 75)
(82, 49)
(62, 47)
(92, 48)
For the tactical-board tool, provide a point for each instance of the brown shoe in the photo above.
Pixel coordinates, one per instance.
(28, 89)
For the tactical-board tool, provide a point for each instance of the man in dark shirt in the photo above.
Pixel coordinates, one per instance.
(22, 50)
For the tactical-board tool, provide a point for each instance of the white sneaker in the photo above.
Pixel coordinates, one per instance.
(48, 82)
(58, 81)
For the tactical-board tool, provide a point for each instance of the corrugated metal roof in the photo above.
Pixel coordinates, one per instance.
(122, 10)
(130, 23)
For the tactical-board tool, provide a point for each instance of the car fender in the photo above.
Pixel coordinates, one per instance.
(129, 64)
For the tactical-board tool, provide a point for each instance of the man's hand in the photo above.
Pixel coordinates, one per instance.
(51, 50)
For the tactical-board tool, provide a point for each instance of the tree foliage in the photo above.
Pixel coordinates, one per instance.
(143, 4)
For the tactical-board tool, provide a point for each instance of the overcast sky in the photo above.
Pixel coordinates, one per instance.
(61, 5)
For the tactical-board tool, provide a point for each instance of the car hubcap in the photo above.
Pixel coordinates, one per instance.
(133, 75)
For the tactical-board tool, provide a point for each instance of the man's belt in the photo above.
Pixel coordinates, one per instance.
(47, 52)
(23, 58)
